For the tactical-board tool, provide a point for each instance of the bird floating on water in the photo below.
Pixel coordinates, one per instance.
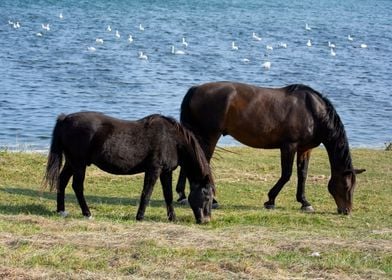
(184, 42)
(269, 48)
(283, 45)
(143, 56)
(309, 43)
(333, 53)
(256, 37)
(350, 38)
(91, 49)
(39, 34)
(45, 26)
(99, 41)
(61, 16)
(141, 28)
(364, 46)
(245, 60)
(174, 51)
(234, 47)
(117, 34)
(130, 38)
(331, 45)
(109, 28)
(16, 25)
(307, 27)
(266, 65)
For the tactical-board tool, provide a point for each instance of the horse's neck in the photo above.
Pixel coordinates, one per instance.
(339, 155)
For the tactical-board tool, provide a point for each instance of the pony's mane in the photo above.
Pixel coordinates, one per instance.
(190, 140)
(336, 134)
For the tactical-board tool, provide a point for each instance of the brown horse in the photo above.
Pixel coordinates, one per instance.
(155, 145)
(294, 119)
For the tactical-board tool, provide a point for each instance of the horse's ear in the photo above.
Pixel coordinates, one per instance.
(359, 171)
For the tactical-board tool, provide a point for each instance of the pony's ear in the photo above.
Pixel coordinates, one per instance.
(359, 171)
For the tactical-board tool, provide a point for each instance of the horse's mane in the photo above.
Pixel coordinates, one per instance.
(190, 140)
(336, 134)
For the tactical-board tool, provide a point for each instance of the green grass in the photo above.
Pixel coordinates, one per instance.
(243, 241)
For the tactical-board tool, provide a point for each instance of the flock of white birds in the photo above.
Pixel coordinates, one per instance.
(234, 46)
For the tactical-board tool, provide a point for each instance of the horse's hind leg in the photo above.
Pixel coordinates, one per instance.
(287, 154)
(180, 188)
(78, 187)
(65, 175)
(302, 171)
(150, 178)
(166, 181)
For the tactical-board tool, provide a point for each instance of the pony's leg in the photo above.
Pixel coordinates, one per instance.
(78, 187)
(180, 188)
(65, 175)
(287, 154)
(302, 171)
(150, 178)
(166, 181)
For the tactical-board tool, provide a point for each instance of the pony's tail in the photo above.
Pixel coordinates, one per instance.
(185, 115)
(55, 157)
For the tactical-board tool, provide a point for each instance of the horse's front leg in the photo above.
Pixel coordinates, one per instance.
(287, 154)
(302, 171)
(166, 181)
(150, 178)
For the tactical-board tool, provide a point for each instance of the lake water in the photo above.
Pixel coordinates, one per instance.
(47, 72)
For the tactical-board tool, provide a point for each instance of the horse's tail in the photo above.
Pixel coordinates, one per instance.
(185, 115)
(55, 157)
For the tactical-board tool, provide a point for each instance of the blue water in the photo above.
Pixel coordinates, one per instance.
(42, 76)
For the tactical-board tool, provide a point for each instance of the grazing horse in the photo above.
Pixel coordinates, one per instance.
(155, 145)
(294, 119)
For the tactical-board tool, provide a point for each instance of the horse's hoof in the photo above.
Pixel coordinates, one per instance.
(269, 206)
(63, 214)
(182, 201)
(88, 218)
(215, 205)
(308, 209)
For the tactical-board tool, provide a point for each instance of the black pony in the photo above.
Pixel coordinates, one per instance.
(155, 145)
(294, 119)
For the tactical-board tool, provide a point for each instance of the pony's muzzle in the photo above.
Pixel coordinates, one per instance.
(344, 211)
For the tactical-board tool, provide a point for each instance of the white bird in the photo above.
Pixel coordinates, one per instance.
(309, 43)
(333, 53)
(91, 49)
(364, 46)
(10, 22)
(16, 25)
(109, 28)
(130, 38)
(118, 34)
(143, 56)
(174, 51)
(307, 27)
(39, 34)
(331, 45)
(283, 45)
(245, 60)
(269, 47)
(141, 28)
(266, 65)
(184, 42)
(99, 41)
(256, 37)
(233, 46)
(61, 16)
(350, 38)
(45, 26)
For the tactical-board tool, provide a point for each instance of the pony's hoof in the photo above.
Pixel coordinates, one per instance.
(182, 201)
(269, 206)
(88, 218)
(308, 209)
(63, 214)
(215, 205)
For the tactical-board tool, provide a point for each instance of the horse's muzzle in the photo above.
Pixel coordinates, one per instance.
(344, 211)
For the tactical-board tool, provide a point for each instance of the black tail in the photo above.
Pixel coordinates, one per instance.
(54, 158)
(185, 116)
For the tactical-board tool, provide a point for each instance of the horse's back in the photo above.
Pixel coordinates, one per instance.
(256, 116)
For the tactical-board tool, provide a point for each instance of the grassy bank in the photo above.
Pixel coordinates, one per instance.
(244, 241)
